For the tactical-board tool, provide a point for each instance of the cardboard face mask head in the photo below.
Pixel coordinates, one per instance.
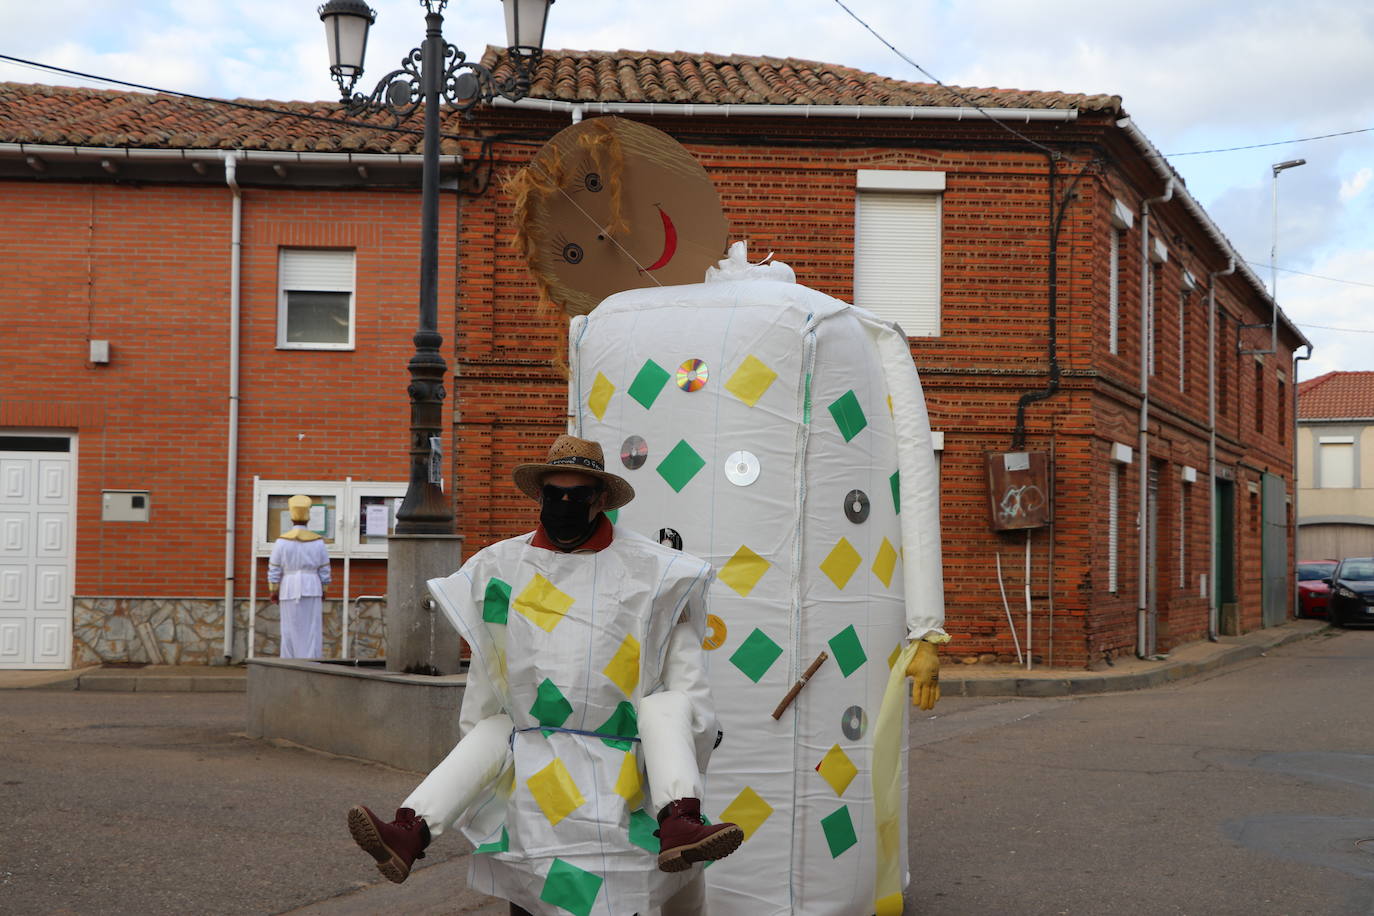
(609, 205)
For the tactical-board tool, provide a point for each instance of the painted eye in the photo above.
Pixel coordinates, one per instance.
(572, 253)
(592, 182)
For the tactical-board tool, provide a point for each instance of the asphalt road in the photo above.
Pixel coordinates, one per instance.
(1246, 792)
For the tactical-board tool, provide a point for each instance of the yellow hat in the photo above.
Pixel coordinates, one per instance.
(300, 508)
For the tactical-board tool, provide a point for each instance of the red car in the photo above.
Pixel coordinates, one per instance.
(1313, 593)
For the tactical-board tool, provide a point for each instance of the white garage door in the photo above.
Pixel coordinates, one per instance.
(36, 551)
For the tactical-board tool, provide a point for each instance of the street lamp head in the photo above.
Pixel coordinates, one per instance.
(1289, 164)
(525, 21)
(345, 29)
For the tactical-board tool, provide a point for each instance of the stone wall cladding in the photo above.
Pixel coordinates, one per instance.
(190, 631)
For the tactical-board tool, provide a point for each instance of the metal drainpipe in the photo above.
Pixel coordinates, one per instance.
(1142, 649)
(232, 461)
(1213, 610)
(1296, 556)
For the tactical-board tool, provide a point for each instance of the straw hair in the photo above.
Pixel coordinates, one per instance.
(569, 453)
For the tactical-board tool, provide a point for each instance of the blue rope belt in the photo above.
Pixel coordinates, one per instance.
(569, 731)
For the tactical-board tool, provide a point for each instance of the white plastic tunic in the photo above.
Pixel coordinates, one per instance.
(573, 644)
(782, 435)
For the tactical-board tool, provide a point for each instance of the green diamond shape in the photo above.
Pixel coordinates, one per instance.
(550, 706)
(896, 481)
(571, 888)
(756, 655)
(680, 465)
(501, 845)
(848, 650)
(839, 831)
(648, 383)
(642, 830)
(496, 601)
(623, 722)
(613, 515)
(849, 416)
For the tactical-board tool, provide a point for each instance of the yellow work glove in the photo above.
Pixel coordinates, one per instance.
(924, 668)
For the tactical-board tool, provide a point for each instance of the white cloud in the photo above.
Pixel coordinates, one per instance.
(1356, 184)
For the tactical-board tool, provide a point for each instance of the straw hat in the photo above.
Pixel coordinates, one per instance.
(569, 453)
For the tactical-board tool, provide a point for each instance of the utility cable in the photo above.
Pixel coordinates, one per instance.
(1289, 270)
(955, 92)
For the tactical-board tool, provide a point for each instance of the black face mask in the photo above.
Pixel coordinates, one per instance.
(566, 520)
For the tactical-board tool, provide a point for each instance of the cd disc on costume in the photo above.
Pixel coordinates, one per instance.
(634, 452)
(716, 631)
(854, 723)
(742, 468)
(692, 375)
(856, 506)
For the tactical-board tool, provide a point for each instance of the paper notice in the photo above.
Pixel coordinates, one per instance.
(377, 520)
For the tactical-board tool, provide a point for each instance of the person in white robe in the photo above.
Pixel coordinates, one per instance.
(586, 688)
(298, 572)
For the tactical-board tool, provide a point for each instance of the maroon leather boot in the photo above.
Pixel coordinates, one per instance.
(396, 845)
(685, 838)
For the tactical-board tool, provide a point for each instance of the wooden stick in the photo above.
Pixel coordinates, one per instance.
(796, 688)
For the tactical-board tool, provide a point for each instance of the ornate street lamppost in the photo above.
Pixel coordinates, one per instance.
(433, 73)
(424, 545)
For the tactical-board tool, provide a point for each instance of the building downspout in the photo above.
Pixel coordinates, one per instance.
(232, 461)
(1296, 481)
(1213, 611)
(1142, 647)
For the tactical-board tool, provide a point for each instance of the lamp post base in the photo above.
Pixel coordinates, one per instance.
(418, 639)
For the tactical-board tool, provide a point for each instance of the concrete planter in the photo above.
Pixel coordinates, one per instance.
(403, 720)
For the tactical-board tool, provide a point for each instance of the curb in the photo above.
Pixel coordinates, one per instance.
(1096, 682)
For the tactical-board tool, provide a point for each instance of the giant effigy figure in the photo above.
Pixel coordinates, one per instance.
(781, 435)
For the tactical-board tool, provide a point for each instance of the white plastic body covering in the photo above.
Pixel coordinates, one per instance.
(805, 400)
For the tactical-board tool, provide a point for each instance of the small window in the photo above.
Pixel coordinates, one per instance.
(1259, 397)
(1113, 520)
(897, 243)
(1336, 462)
(1114, 294)
(1183, 341)
(315, 311)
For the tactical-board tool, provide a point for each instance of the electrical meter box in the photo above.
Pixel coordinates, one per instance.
(1019, 490)
(124, 506)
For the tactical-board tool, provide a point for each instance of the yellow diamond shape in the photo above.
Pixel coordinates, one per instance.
(553, 788)
(747, 810)
(840, 564)
(885, 562)
(889, 406)
(623, 669)
(628, 785)
(892, 659)
(837, 769)
(743, 571)
(600, 397)
(750, 380)
(543, 603)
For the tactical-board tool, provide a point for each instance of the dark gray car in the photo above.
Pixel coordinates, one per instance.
(1352, 592)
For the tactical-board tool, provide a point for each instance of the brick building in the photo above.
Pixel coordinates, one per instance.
(1052, 270)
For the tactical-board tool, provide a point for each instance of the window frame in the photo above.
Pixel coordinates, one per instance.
(283, 310)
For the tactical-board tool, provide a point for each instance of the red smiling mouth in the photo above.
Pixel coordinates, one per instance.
(669, 241)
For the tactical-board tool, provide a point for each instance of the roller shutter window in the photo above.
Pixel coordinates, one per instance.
(897, 259)
(1336, 462)
(315, 309)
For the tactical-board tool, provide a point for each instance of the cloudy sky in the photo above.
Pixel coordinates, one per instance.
(1194, 75)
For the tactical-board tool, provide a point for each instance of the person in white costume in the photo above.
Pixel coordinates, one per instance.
(298, 572)
(587, 682)
(781, 435)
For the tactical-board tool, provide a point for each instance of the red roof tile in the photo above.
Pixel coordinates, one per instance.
(1336, 395)
(34, 113)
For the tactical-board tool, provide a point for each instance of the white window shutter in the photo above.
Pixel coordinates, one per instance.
(316, 270)
(1114, 293)
(897, 259)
